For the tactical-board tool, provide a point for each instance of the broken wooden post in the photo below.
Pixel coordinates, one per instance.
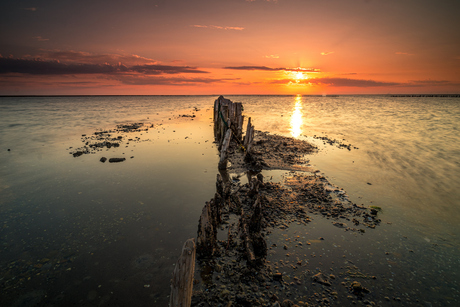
(225, 121)
(223, 151)
(182, 280)
(244, 227)
(239, 120)
(216, 117)
(207, 236)
(246, 136)
(216, 204)
(255, 224)
(250, 139)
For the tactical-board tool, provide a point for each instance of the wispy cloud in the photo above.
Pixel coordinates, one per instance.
(70, 56)
(272, 56)
(253, 68)
(346, 82)
(218, 27)
(327, 53)
(175, 81)
(429, 82)
(300, 69)
(40, 39)
(274, 1)
(165, 69)
(337, 82)
(404, 53)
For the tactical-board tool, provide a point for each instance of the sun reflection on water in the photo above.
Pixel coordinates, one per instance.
(296, 117)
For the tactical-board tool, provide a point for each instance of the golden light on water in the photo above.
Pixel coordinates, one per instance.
(296, 117)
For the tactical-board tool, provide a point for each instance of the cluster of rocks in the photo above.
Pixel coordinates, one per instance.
(107, 139)
(334, 142)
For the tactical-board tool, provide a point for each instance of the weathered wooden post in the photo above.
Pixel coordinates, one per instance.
(223, 151)
(207, 235)
(249, 136)
(246, 136)
(182, 281)
(225, 121)
(239, 120)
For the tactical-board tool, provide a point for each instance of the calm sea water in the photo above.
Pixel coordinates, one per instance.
(78, 231)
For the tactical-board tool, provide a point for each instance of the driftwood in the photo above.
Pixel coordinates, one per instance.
(182, 280)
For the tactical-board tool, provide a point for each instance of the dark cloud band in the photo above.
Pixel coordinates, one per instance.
(40, 67)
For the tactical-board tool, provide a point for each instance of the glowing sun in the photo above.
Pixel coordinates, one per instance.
(298, 76)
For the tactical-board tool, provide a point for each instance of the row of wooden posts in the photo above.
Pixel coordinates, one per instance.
(228, 123)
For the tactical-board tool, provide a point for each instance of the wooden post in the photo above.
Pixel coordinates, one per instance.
(206, 241)
(223, 127)
(223, 150)
(216, 117)
(255, 224)
(247, 239)
(239, 120)
(250, 139)
(182, 280)
(246, 136)
(215, 204)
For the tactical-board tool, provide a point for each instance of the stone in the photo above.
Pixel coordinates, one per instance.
(320, 278)
(115, 160)
(278, 276)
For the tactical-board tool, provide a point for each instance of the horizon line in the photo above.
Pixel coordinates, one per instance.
(311, 95)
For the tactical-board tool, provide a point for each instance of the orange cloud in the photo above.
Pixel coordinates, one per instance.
(218, 27)
(336, 82)
(404, 53)
(131, 79)
(300, 69)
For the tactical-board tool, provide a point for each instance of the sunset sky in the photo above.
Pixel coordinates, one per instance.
(156, 47)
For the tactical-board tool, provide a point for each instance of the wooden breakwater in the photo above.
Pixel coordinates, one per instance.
(228, 132)
(228, 126)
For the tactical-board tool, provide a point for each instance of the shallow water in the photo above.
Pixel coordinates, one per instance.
(409, 149)
(76, 230)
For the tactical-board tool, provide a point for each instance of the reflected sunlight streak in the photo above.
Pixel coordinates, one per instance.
(296, 117)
